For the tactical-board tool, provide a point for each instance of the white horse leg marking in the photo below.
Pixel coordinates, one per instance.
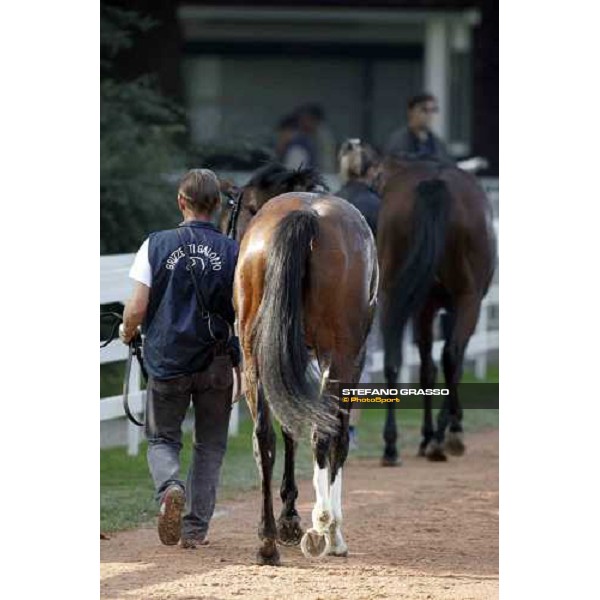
(325, 377)
(339, 545)
(321, 514)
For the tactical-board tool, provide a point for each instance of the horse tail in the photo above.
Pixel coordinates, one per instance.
(291, 384)
(416, 276)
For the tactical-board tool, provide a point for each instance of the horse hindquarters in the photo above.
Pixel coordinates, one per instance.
(278, 336)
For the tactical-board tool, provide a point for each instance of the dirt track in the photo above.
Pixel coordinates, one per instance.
(425, 530)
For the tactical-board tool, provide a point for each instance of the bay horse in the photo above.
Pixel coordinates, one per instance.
(305, 291)
(437, 250)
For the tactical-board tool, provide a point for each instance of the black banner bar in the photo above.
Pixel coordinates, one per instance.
(410, 395)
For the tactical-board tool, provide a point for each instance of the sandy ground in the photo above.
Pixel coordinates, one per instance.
(423, 531)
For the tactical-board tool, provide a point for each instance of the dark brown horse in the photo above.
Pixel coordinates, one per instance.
(437, 250)
(305, 291)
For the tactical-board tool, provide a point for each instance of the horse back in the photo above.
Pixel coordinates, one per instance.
(468, 257)
(341, 275)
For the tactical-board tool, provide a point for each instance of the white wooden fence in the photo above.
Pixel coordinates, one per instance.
(115, 286)
(484, 340)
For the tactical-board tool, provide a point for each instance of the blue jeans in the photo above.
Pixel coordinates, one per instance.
(167, 403)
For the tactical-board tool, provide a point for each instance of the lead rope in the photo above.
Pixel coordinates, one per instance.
(135, 350)
(231, 233)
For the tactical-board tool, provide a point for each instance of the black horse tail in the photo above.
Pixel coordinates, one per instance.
(416, 276)
(291, 385)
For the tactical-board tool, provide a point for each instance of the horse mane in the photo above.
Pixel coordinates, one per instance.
(275, 177)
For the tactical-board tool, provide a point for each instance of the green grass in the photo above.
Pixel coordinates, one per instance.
(126, 491)
(111, 379)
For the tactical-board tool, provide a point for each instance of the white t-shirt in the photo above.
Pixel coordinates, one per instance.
(140, 269)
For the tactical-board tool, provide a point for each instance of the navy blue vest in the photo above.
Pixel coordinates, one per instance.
(177, 339)
(365, 198)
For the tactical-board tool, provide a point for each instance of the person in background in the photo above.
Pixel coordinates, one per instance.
(183, 301)
(285, 131)
(295, 146)
(416, 141)
(312, 119)
(359, 166)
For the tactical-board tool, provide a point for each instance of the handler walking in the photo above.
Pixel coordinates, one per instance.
(183, 300)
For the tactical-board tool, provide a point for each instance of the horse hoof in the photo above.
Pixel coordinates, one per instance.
(435, 452)
(315, 544)
(391, 461)
(269, 558)
(454, 443)
(289, 532)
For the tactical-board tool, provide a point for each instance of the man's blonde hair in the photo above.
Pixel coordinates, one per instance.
(201, 191)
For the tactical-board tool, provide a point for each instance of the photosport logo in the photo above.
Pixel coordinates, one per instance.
(410, 395)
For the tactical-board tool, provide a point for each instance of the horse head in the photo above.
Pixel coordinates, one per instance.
(267, 182)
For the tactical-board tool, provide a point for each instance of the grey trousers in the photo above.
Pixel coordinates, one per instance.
(167, 402)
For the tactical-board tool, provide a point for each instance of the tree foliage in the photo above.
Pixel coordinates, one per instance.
(141, 143)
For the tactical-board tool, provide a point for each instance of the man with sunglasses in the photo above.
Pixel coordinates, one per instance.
(416, 141)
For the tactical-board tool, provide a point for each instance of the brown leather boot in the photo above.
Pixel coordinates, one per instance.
(169, 518)
(191, 543)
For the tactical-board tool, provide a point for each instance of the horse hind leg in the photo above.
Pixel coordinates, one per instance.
(391, 369)
(428, 371)
(339, 453)
(451, 415)
(289, 531)
(316, 542)
(338, 544)
(390, 456)
(264, 453)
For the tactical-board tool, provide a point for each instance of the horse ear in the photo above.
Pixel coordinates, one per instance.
(225, 185)
(249, 201)
(307, 179)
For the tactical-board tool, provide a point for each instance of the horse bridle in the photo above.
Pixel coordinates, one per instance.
(235, 201)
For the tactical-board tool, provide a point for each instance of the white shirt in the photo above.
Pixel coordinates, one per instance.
(140, 269)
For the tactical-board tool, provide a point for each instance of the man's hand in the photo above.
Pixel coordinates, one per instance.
(134, 312)
(123, 336)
